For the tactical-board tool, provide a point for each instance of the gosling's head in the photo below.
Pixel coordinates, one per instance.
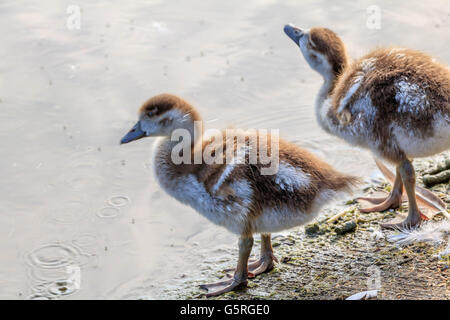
(160, 116)
(322, 48)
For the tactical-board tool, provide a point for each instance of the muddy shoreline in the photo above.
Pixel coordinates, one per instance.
(334, 260)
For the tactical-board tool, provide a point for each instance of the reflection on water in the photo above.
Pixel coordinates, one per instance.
(73, 200)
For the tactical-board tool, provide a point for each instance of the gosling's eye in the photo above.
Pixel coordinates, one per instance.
(151, 113)
(314, 57)
(165, 121)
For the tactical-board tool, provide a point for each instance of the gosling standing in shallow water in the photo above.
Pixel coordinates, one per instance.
(237, 195)
(393, 101)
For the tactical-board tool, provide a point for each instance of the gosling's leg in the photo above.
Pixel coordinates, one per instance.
(432, 203)
(266, 259)
(415, 217)
(241, 273)
(393, 200)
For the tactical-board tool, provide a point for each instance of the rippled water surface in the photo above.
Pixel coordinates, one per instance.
(81, 216)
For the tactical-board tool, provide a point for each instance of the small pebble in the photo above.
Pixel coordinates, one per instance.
(311, 229)
(348, 227)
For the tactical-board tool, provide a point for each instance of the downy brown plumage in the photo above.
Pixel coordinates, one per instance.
(393, 101)
(236, 195)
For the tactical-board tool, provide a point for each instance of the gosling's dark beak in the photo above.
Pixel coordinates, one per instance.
(134, 134)
(293, 32)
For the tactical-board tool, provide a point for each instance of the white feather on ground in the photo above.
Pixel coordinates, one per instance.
(432, 231)
(444, 252)
(363, 295)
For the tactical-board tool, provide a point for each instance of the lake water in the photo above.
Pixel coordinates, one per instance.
(82, 216)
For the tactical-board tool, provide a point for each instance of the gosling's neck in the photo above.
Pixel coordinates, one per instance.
(330, 79)
(177, 149)
(323, 100)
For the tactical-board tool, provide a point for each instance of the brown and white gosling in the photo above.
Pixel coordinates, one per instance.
(236, 195)
(393, 101)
